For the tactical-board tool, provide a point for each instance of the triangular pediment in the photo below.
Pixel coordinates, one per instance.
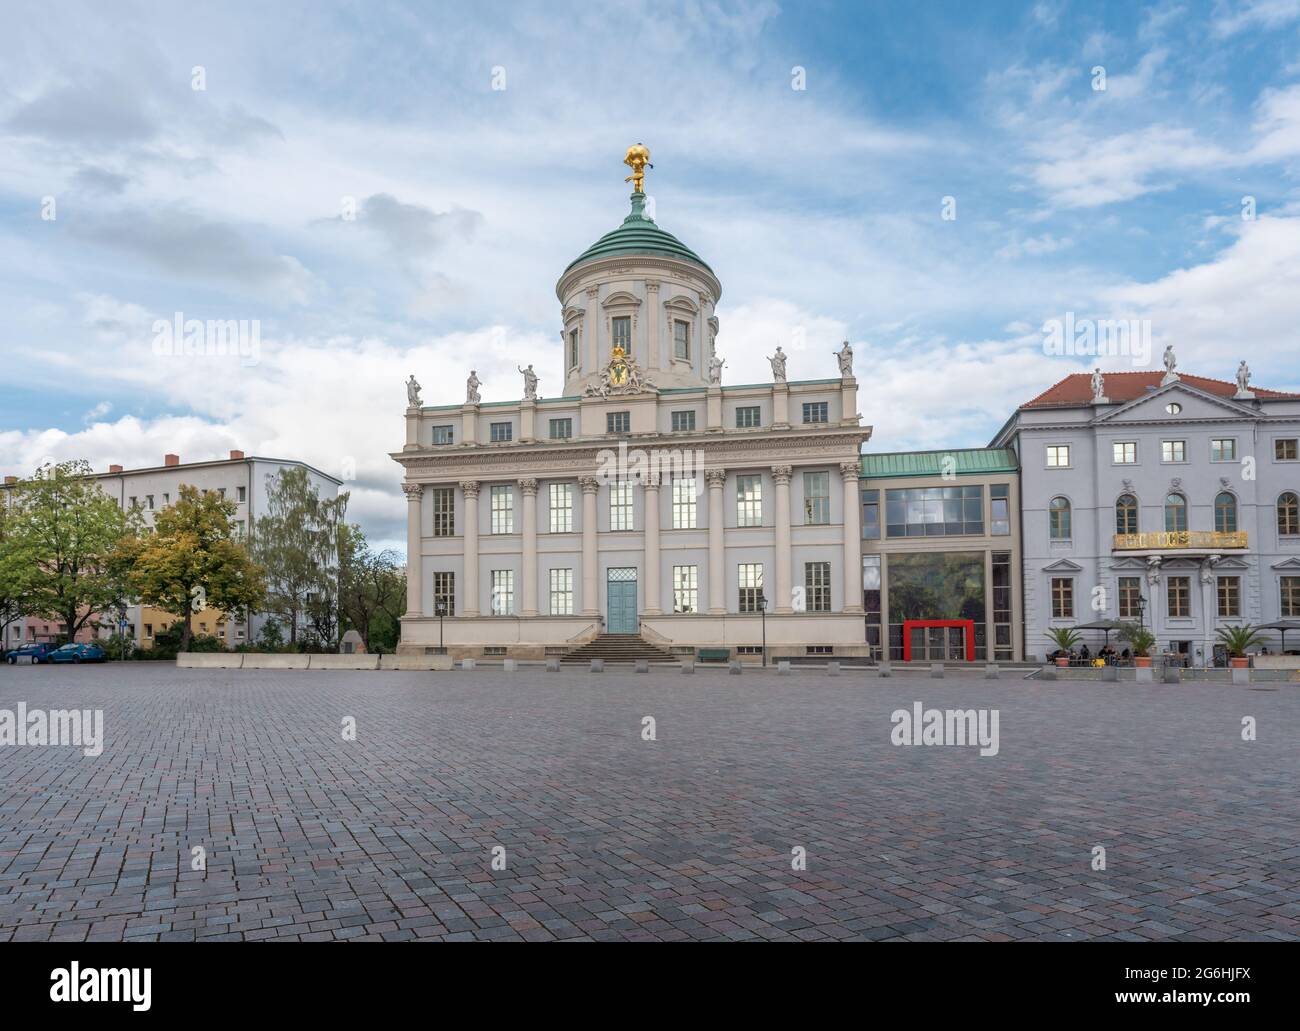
(1063, 565)
(1287, 563)
(1196, 404)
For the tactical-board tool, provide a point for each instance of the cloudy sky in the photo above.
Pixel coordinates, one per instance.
(200, 159)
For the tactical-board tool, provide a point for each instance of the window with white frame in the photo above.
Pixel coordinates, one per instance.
(681, 339)
(816, 411)
(621, 332)
(503, 508)
(1223, 449)
(1058, 456)
(444, 511)
(817, 586)
(1173, 451)
(683, 420)
(444, 593)
(620, 505)
(561, 496)
(816, 498)
(686, 588)
(444, 435)
(561, 592)
(748, 416)
(499, 432)
(750, 580)
(749, 500)
(1124, 452)
(503, 592)
(684, 513)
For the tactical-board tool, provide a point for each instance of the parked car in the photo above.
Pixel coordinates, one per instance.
(74, 652)
(34, 652)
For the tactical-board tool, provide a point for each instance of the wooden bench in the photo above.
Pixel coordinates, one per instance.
(713, 654)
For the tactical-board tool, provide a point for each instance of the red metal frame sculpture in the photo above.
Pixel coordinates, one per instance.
(912, 624)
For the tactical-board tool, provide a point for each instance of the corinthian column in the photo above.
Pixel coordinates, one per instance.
(470, 532)
(717, 478)
(652, 598)
(590, 603)
(414, 566)
(528, 487)
(852, 537)
(784, 596)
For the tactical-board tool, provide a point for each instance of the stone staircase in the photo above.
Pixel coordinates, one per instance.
(618, 648)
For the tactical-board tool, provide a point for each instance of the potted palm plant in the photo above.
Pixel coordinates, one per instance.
(1065, 638)
(1141, 640)
(1236, 639)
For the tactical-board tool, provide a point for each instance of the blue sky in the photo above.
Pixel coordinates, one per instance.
(820, 209)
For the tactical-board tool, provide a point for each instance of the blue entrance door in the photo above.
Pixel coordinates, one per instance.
(621, 603)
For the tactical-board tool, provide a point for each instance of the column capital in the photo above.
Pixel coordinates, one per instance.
(469, 488)
(781, 474)
(652, 480)
(589, 484)
(413, 491)
(716, 477)
(593, 291)
(851, 470)
(528, 486)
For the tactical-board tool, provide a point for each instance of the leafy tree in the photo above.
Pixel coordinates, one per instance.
(193, 561)
(296, 542)
(372, 590)
(63, 533)
(13, 582)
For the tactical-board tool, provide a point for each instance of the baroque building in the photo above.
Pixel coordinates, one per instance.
(649, 499)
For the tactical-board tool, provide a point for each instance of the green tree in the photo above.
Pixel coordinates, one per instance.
(193, 561)
(13, 583)
(296, 542)
(372, 590)
(63, 532)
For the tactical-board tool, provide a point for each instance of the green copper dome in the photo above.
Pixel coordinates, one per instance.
(638, 235)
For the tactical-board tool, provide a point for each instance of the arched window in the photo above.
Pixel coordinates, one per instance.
(1058, 520)
(1175, 513)
(1288, 515)
(1225, 513)
(1126, 514)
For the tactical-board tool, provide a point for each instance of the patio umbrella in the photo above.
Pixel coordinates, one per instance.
(1283, 625)
(1113, 624)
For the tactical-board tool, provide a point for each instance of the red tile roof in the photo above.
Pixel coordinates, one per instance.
(1076, 389)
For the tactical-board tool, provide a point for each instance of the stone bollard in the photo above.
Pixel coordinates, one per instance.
(598, 665)
(552, 664)
(936, 670)
(1173, 675)
(783, 667)
(833, 668)
(1240, 675)
(642, 666)
(466, 663)
(1145, 674)
(510, 665)
(1110, 674)
(1048, 673)
(884, 668)
(734, 668)
(688, 666)
(991, 671)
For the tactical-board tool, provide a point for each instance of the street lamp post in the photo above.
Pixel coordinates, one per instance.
(440, 609)
(762, 611)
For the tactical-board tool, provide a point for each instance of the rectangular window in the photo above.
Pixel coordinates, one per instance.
(816, 498)
(561, 592)
(148, 631)
(242, 494)
(444, 593)
(503, 509)
(1058, 456)
(683, 421)
(1223, 449)
(816, 411)
(681, 340)
(1062, 597)
(1229, 596)
(1124, 452)
(871, 515)
(503, 592)
(618, 422)
(1000, 509)
(1130, 597)
(749, 500)
(1002, 636)
(817, 586)
(561, 495)
(1286, 449)
(620, 505)
(750, 577)
(500, 432)
(1173, 450)
(1180, 597)
(686, 588)
(444, 511)
(934, 511)
(684, 514)
(622, 333)
(749, 416)
(1290, 591)
(561, 429)
(444, 435)
(573, 348)
(148, 501)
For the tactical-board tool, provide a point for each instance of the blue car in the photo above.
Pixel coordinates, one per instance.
(73, 652)
(35, 652)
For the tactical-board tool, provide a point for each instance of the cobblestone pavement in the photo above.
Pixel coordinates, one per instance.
(608, 836)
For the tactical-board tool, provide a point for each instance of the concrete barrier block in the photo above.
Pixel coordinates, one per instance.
(734, 667)
(1047, 673)
(936, 670)
(1110, 674)
(416, 663)
(255, 660)
(1145, 674)
(363, 661)
(1240, 676)
(783, 667)
(205, 660)
(510, 665)
(1173, 675)
(467, 663)
(642, 666)
(885, 668)
(598, 665)
(688, 666)
(553, 664)
(833, 668)
(992, 672)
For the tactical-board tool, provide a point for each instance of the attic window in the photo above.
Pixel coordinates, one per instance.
(1173, 408)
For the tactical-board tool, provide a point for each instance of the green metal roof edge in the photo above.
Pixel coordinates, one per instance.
(890, 465)
(638, 234)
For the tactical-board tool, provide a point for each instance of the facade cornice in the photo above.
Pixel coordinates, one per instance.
(602, 268)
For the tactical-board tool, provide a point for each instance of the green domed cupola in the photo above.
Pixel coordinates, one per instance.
(639, 234)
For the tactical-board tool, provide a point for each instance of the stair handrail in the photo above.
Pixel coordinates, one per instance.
(652, 636)
(587, 634)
